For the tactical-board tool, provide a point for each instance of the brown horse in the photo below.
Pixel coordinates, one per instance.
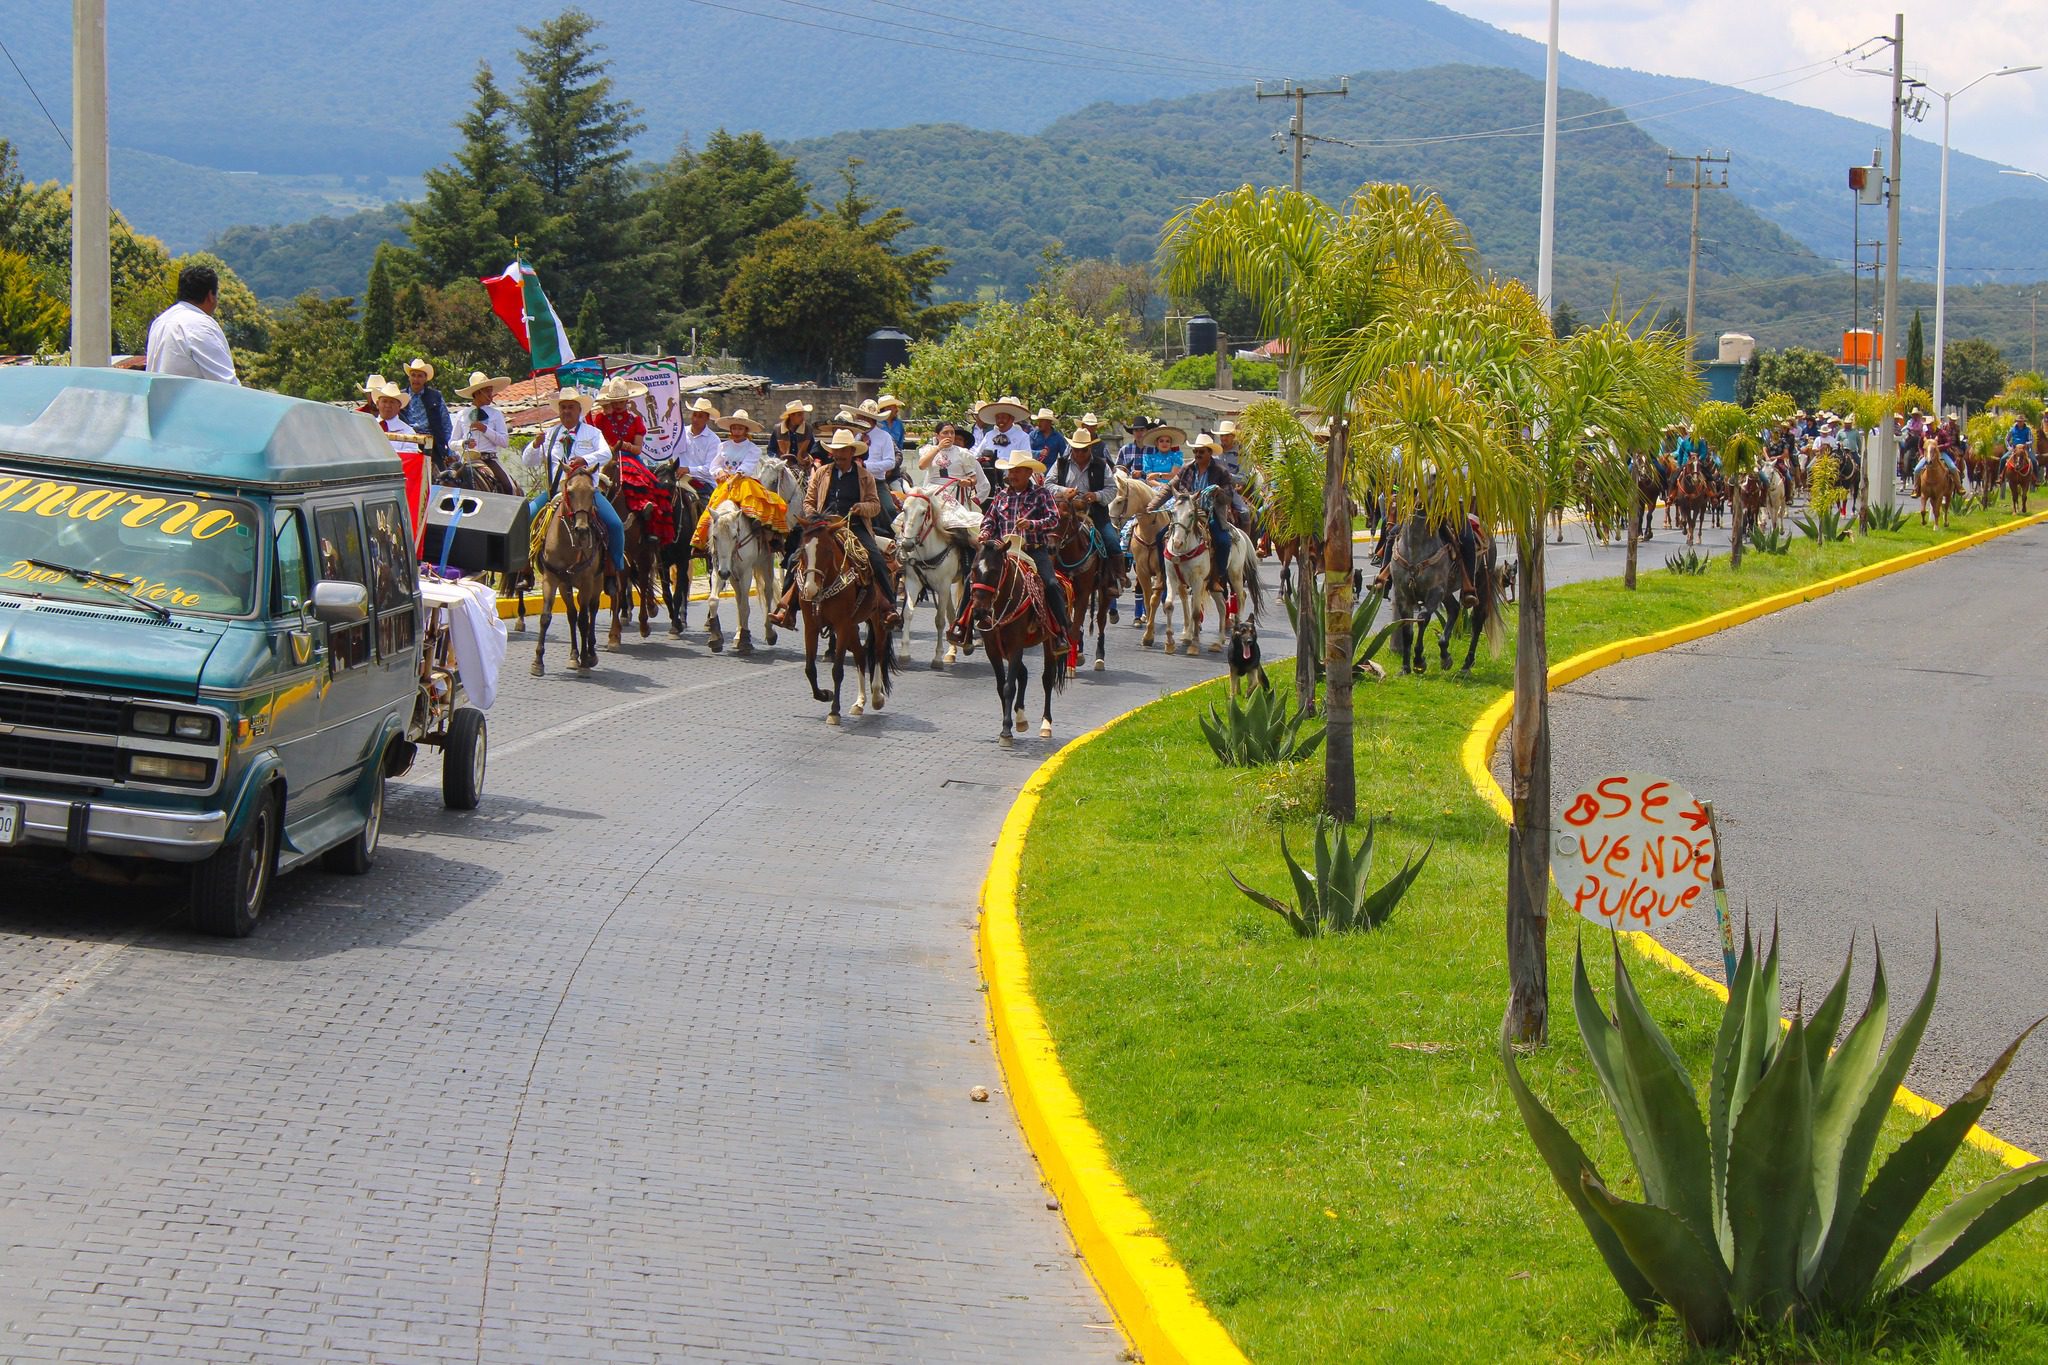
(837, 594)
(2019, 477)
(572, 564)
(1086, 569)
(642, 555)
(1936, 484)
(673, 574)
(1690, 498)
(1006, 604)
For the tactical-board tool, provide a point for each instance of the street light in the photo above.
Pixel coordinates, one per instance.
(2034, 175)
(1941, 233)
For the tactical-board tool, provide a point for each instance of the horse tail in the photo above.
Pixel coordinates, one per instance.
(1256, 588)
(882, 649)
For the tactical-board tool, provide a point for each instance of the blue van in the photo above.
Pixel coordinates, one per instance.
(209, 631)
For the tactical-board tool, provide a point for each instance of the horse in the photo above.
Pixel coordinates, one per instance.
(1083, 562)
(1690, 499)
(1650, 487)
(642, 551)
(672, 571)
(1189, 555)
(1008, 609)
(571, 563)
(934, 560)
(744, 555)
(1134, 502)
(1422, 573)
(1935, 485)
(838, 601)
(1307, 549)
(2018, 468)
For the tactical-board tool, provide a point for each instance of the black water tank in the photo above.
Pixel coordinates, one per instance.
(885, 348)
(1201, 335)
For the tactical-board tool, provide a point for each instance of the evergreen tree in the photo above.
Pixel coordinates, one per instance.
(477, 212)
(587, 333)
(704, 210)
(380, 322)
(576, 147)
(32, 322)
(1916, 354)
(920, 269)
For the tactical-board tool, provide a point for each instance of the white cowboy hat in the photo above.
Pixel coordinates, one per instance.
(479, 380)
(417, 364)
(386, 389)
(1045, 415)
(619, 389)
(889, 401)
(1226, 429)
(739, 418)
(845, 440)
(856, 417)
(572, 395)
(794, 408)
(1321, 433)
(372, 384)
(1203, 441)
(988, 412)
(1083, 439)
(1162, 431)
(1021, 460)
(705, 406)
(1091, 421)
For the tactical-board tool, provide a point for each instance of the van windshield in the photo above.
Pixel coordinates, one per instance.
(181, 551)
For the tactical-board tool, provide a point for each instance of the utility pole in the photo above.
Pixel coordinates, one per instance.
(1702, 179)
(1298, 134)
(92, 305)
(1881, 474)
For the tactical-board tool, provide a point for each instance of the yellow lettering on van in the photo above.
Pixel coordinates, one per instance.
(213, 523)
(21, 569)
(46, 498)
(96, 503)
(9, 487)
(180, 517)
(146, 510)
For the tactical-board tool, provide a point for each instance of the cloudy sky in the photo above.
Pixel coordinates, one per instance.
(1947, 45)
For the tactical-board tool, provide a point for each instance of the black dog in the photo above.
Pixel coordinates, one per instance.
(1246, 672)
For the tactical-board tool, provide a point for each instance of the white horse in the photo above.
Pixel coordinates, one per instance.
(932, 559)
(744, 554)
(1134, 501)
(1777, 495)
(1187, 555)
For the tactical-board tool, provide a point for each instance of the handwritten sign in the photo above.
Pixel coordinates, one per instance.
(1631, 850)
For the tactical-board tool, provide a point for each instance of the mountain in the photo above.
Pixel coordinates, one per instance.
(370, 89)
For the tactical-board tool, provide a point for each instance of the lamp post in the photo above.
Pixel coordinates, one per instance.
(2031, 175)
(1941, 231)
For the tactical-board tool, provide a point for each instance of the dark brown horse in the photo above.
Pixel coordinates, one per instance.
(672, 574)
(836, 592)
(1006, 604)
(643, 552)
(1689, 499)
(2019, 477)
(1081, 561)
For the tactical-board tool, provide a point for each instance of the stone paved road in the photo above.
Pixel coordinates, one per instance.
(1876, 758)
(663, 1054)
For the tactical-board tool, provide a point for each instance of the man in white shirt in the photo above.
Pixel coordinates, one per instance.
(699, 445)
(1001, 436)
(479, 432)
(185, 339)
(574, 443)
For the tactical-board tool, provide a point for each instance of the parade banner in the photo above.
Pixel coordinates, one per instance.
(581, 374)
(662, 408)
(1632, 850)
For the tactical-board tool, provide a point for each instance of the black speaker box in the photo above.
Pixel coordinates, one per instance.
(477, 532)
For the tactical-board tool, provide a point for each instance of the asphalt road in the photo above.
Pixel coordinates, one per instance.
(664, 1053)
(1877, 761)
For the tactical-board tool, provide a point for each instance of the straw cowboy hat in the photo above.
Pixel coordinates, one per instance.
(417, 364)
(889, 401)
(1226, 429)
(845, 440)
(572, 395)
(705, 406)
(1045, 415)
(372, 384)
(1203, 441)
(855, 417)
(988, 412)
(794, 408)
(1021, 460)
(479, 380)
(1083, 439)
(619, 389)
(1091, 421)
(1161, 432)
(739, 418)
(384, 388)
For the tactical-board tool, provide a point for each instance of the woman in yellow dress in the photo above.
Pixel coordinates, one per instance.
(737, 468)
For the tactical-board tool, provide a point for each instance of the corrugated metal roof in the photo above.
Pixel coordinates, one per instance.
(153, 424)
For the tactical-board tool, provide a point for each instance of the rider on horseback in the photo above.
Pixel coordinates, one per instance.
(570, 443)
(1026, 510)
(844, 488)
(1082, 470)
(1204, 473)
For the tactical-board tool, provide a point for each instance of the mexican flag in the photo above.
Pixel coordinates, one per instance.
(517, 299)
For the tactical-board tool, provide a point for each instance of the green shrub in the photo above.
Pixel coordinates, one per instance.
(1258, 732)
(1761, 1213)
(1365, 641)
(1769, 542)
(1333, 899)
(1199, 372)
(1892, 518)
(1825, 525)
(1689, 563)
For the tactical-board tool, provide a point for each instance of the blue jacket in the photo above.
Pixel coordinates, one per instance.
(426, 411)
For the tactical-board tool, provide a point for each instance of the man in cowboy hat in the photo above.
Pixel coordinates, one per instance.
(1085, 475)
(1001, 436)
(890, 409)
(1204, 473)
(427, 411)
(570, 444)
(480, 428)
(1132, 456)
(843, 487)
(791, 441)
(866, 420)
(699, 445)
(389, 401)
(1025, 509)
(1047, 445)
(369, 392)
(1227, 453)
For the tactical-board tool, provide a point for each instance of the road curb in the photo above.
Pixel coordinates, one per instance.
(1145, 1287)
(1484, 738)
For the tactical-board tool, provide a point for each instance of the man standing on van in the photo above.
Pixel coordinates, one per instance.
(185, 339)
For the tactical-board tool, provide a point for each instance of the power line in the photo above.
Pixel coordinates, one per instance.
(34, 96)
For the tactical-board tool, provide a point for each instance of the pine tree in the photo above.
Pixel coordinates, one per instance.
(380, 324)
(1916, 353)
(478, 212)
(587, 335)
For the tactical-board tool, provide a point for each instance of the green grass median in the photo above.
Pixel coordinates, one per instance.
(1320, 1128)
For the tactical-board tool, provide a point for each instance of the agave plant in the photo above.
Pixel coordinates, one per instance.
(1825, 525)
(1258, 732)
(1365, 641)
(1887, 518)
(1333, 899)
(1760, 1211)
(1688, 563)
(1769, 541)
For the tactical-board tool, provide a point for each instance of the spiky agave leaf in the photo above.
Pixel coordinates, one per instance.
(1279, 907)
(1666, 1252)
(1770, 1185)
(1966, 1226)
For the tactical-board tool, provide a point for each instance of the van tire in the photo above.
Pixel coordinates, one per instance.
(463, 756)
(229, 889)
(359, 854)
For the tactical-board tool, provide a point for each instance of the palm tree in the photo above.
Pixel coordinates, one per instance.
(1290, 480)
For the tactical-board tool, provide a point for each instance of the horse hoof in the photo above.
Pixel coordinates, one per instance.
(1045, 729)
(880, 699)
(1215, 647)
(743, 645)
(1098, 665)
(717, 644)
(1191, 650)
(768, 634)
(1005, 741)
(1019, 719)
(675, 632)
(832, 719)
(857, 708)
(645, 631)
(538, 671)
(611, 646)
(938, 664)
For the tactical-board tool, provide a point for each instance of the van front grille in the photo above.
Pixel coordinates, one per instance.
(59, 711)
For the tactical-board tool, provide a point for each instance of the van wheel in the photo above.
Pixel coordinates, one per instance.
(230, 887)
(354, 858)
(463, 756)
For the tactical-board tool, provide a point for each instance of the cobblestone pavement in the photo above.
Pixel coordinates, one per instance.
(662, 1054)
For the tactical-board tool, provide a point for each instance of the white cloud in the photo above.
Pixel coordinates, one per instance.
(1729, 40)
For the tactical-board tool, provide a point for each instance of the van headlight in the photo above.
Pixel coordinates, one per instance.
(159, 723)
(164, 768)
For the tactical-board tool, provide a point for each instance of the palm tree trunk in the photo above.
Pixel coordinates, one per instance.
(1528, 1014)
(1305, 607)
(1340, 782)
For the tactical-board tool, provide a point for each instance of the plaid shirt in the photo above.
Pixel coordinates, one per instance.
(1029, 512)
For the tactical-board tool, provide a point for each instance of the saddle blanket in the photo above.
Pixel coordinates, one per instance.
(752, 497)
(640, 492)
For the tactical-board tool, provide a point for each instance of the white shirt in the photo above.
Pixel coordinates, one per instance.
(736, 457)
(958, 462)
(881, 457)
(492, 439)
(561, 447)
(698, 449)
(398, 426)
(1019, 442)
(186, 340)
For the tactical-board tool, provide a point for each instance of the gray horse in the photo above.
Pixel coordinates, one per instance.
(1426, 582)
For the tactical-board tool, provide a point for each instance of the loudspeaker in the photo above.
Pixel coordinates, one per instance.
(477, 532)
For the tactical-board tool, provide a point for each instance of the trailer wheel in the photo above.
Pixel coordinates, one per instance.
(463, 756)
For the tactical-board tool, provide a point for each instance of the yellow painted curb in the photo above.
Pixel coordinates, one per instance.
(1484, 737)
(1142, 1282)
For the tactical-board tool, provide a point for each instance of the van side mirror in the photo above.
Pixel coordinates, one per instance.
(341, 604)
